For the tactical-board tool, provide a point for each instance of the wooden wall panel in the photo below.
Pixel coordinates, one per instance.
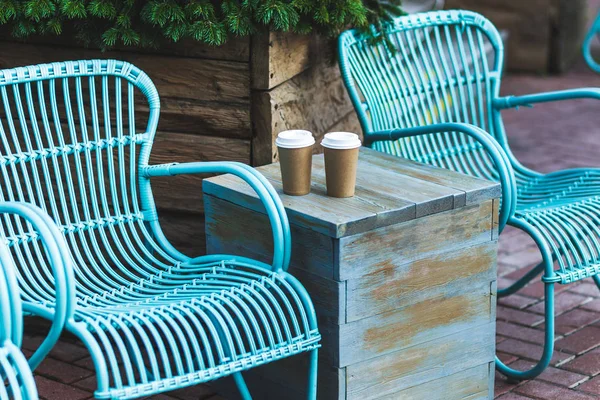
(315, 100)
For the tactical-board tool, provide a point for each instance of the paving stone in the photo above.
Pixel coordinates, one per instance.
(553, 375)
(562, 302)
(587, 289)
(530, 351)
(574, 319)
(502, 386)
(88, 383)
(534, 289)
(86, 363)
(53, 390)
(505, 269)
(591, 386)
(547, 391)
(517, 316)
(519, 332)
(593, 305)
(512, 396)
(506, 358)
(523, 259)
(580, 341)
(62, 371)
(517, 301)
(63, 351)
(588, 363)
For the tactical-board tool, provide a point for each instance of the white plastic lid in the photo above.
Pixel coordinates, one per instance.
(294, 139)
(341, 140)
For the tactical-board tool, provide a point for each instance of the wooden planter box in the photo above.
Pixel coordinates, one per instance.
(545, 35)
(220, 103)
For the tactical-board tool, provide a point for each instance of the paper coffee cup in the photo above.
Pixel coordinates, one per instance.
(341, 159)
(295, 160)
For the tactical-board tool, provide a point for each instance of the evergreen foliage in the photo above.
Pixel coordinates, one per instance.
(145, 23)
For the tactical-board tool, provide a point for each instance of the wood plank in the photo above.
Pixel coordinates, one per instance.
(184, 231)
(177, 77)
(468, 384)
(279, 56)
(429, 198)
(315, 100)
(476, 190)
(316, 211)
(208, 118)
(184, 193)
(292, 374)
(365, 253)
(233, 229)
(198, 96)
(495, 219)
(369, 207)
(394, 286)
(440, 315)
(422, 363)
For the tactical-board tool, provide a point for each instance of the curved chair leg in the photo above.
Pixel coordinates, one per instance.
(548, 343)
(312, 375)
(587, 45)
(596, 279)
(547, 265)
(241, 385)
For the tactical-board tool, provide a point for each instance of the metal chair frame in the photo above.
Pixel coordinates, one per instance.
(592, 33)
(435, 99)
(15, 373)
(152, 318)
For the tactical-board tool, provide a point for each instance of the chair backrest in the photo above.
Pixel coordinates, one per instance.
(434, 67)
(17, 378)
(72, 136)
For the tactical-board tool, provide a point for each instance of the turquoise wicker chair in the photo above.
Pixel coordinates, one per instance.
(435, 99)
(75, 139)
(587, 44)
(14, 370)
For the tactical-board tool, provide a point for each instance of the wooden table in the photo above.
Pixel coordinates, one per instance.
(403, 277)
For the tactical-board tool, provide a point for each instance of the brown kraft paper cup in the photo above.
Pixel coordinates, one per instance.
(296, 166)
(340, 171)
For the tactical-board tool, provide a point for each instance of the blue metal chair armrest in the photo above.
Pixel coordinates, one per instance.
(528, 100)
(62, 271)
(265, 191)
(491, 146)
(587, 45)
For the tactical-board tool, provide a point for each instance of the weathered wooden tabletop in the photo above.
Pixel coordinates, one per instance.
(389, 190)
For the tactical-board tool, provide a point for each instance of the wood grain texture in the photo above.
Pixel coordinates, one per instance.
(384, 196)
(469, 384)
(365, 253)
(236, 230)
(315, 100)
(184, 193)
(416, 365)
(402, 301)
(279, 56)
(316, 211)
(440, 315)
(475, 190)
(394, 286)
(191, 90)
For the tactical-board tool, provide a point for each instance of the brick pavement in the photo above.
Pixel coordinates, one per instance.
(548, 137)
